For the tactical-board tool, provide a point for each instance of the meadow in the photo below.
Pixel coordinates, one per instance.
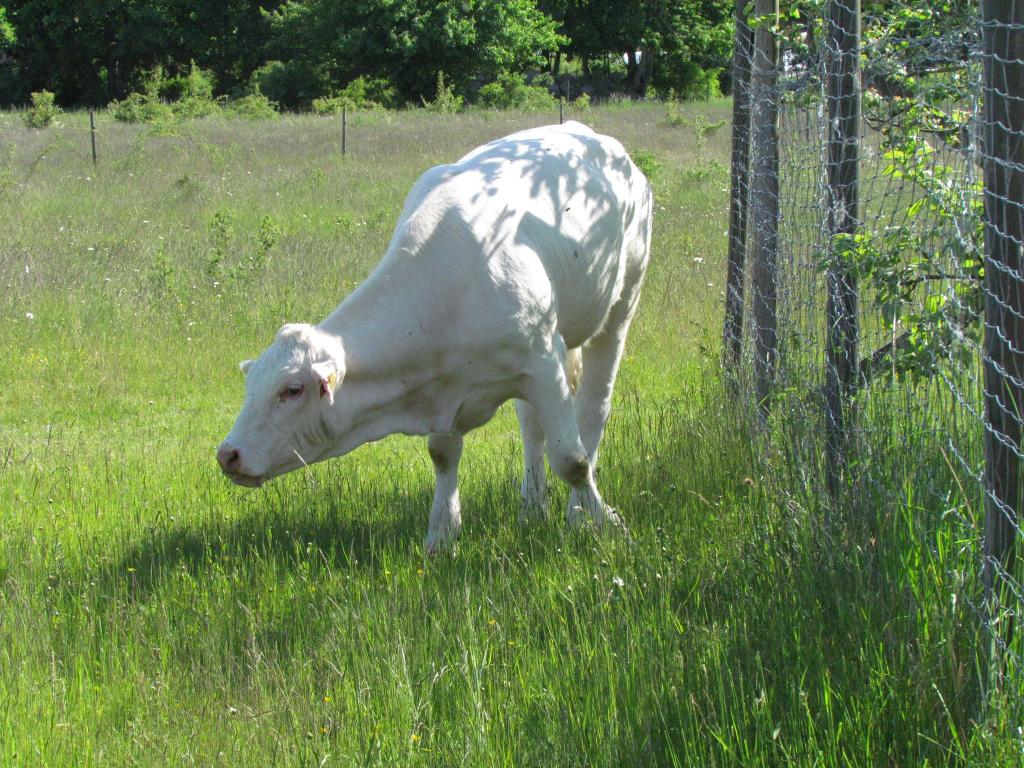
(153, 614)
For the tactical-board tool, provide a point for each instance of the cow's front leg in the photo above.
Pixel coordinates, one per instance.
(445, 514)
(534, 490)
(549, 393)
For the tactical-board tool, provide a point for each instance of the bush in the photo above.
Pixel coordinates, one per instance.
(692, 83)
(43, 111)
(293, 85)
(255, 106)
(141, 108)
(647, 162)
(194, 93)
(361, 93)
(445, 101)
(510, 91)
(191, 95)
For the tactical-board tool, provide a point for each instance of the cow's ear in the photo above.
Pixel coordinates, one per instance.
(327, 373)
(245, 365)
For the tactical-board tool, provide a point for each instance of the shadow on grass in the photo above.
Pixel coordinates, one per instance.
(271, 531)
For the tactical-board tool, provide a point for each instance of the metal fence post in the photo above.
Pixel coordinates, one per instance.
(764, 198)
(732, 341)
(842, 339)
(344, 131)
(1003, 96)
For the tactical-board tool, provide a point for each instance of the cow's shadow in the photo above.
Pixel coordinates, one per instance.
(338, 536)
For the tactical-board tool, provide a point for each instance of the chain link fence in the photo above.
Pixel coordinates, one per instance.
(875, 296)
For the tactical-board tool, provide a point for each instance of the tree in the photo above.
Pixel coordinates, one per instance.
(410, 41)
(92, 51)
(661, 40)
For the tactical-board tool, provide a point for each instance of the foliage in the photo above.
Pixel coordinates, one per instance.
(445, 100)
(193, 92)
(361, 93)
(93, 52)
(164, 99)
(141, 108)
(253, 106)
(7, 34)
(662, 40)
(409, 41)
(693, 83)
(510, 91)
(293, 84)
(43, 111)
(923, 273)
(647, 162)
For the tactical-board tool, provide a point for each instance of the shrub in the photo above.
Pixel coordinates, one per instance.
(510, 91)
(190, 95)
(43, 111)
(646, 161)
(141, 108)
(361, 93)
(195, 93)
(582, 102)
(255, 106)
(293, 85)
(445, 101)
(696, 84)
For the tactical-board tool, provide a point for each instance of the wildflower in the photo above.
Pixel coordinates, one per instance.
(29, 316)
(492, 622)
(419, 571)
(415, 738)
(618, 582)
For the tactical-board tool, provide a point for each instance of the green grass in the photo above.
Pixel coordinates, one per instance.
(153, 614)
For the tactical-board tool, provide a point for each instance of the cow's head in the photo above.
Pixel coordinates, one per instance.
(289, 392)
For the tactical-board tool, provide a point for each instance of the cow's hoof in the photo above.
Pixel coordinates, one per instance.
(441, 544)
(532, 512)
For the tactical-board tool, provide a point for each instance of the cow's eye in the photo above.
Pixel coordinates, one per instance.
(292, 391)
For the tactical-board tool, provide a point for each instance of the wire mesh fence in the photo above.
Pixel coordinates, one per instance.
(875, 299)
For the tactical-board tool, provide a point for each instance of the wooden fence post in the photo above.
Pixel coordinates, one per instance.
(732, 336)
(1003, 97)
(841, 311)
(92, 134)
(344, 131)
(764, 198)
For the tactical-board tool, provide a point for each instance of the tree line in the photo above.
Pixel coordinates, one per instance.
(91, 52)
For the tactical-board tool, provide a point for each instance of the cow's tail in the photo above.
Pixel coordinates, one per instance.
(574, 368)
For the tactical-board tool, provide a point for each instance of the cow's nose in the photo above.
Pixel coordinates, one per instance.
(229, 458)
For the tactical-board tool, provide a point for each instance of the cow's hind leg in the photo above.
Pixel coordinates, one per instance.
(445, 514)
(548, 391)
(534, 491)
(601, 357)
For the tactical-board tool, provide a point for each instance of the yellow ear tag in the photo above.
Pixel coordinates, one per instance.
(332, 381)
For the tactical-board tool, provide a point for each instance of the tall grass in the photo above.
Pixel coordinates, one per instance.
(152, 614)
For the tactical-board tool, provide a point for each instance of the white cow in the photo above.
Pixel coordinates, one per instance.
(501, 266)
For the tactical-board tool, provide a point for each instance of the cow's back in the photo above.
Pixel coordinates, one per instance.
(539, 219)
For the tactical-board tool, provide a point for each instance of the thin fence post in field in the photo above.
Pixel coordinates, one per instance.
(841, 310)
(764, 198)
(1003, 354)
(560, 110)
(732, 337)
(344, 131)
(92, 134)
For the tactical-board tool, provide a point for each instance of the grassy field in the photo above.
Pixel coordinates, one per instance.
(153, 614)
